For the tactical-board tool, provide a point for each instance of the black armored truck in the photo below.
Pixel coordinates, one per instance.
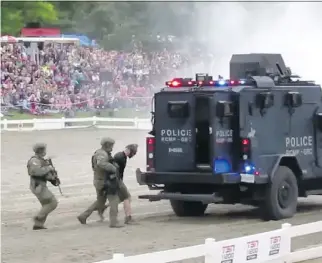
(253, 139)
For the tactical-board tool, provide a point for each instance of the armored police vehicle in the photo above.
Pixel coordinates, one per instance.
(254, 139)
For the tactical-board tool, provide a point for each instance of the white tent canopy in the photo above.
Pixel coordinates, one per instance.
(8, 39)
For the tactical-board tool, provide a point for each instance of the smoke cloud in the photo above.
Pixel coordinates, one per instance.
(292, 29)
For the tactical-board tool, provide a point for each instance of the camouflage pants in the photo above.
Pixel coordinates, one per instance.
(47, 200)
(99, 205)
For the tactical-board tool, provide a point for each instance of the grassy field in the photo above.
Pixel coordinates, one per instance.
(122, 113)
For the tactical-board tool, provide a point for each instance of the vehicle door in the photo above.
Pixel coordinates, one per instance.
(175, 132)
(223, 122)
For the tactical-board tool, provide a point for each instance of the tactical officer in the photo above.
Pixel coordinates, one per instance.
(106, 183)
(40, 172)
(120, 159)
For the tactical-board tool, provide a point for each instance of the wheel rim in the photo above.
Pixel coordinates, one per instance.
(285, 195)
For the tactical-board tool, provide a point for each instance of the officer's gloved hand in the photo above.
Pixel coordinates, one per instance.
(55, 181)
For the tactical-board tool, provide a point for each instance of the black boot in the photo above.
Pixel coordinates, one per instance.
(82, 220)
(38, 228)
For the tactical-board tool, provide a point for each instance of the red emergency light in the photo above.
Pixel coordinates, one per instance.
(180, 82)
(206, 83)
(174, 83)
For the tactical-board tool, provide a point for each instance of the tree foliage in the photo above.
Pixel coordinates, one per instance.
(15, 15)
(112, 24)
(107, 22)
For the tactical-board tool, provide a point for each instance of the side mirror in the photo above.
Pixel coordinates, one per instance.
(224, 109)
(293, 99)
(264, 100)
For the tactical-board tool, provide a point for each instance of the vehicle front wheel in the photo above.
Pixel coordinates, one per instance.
(281, 195)
(188, 208)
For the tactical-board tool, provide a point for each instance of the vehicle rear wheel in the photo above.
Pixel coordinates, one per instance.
(188, 208)
(281, 195)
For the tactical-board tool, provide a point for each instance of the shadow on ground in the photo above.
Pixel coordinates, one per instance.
(228, 213)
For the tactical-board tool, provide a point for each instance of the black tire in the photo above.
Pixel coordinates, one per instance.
(281, 195)
(188, 208)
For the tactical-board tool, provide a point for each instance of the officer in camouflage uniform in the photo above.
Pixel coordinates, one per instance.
(105, 182)
(40, 172)
(120, 160)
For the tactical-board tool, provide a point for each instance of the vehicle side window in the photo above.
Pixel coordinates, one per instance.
(178, 109)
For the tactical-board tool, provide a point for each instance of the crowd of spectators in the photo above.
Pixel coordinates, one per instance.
(71, 76)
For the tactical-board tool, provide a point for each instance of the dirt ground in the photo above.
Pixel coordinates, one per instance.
(68, 241)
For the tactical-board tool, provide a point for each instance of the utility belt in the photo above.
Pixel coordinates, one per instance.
(54, 182)
(111, 184)
(39, 178)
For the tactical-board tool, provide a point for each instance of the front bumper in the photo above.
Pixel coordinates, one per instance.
(155, 178)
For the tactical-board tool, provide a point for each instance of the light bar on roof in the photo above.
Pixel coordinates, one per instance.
(185, 82)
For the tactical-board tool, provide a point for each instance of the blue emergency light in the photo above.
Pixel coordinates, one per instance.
(221, 165)
(249, 168)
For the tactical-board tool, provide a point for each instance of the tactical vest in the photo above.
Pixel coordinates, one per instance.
(43, 163)
(93, 159)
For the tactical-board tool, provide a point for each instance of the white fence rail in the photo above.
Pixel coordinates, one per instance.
(72, 123)
(267, 247)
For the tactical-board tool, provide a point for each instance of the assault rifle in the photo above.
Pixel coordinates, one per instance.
(56, 181)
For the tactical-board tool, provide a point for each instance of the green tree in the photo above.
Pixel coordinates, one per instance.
(112, 24)
(11, 20)
(15, 15)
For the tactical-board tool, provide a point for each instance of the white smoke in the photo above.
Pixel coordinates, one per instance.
(291, 29)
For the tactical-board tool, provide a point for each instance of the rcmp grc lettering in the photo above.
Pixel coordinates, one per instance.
(293, 142)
